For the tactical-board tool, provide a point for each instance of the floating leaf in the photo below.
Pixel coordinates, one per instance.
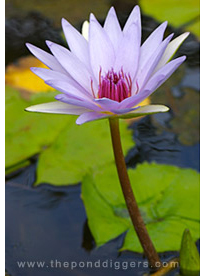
(19, 76)
(189, 255)
(76, 150)
(17, 166)
(28, 133)
(68, 150)
(164, 194)
(177, 12)
(98, 210)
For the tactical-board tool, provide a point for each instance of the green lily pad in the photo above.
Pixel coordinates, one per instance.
(27, 134)
(177, 12)
(66, 151)
(76, 150)
(101, 215)
(167, 196)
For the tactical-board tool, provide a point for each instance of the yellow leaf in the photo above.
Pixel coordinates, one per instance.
(20, 76)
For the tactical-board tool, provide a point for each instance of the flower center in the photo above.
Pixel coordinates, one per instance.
(114, 86)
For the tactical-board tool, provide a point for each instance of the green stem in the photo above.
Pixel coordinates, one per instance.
(131, 203)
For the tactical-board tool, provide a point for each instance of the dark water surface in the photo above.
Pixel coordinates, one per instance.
(49, 224)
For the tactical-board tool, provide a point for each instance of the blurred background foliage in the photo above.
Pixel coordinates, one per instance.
(177, 12)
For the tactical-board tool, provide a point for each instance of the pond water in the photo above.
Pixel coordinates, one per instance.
(49, 224)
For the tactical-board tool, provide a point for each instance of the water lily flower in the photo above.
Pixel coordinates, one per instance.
(107, 72)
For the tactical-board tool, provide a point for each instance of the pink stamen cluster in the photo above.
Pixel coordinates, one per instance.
(114, 86)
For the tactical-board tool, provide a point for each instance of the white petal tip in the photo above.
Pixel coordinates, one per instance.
(152, 109)
(163, 25)
(36, 108)
(64, 22)
(137, 7)
(164, 108)
(29, 109)
(182, 59)
(145, 110)
(92, 17)
(170, 37)
(49, 43)
(33, 69)
(182, 37)
(56, 108)
(112, 11)
(30, 46)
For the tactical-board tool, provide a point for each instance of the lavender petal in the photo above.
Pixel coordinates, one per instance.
(90, 116)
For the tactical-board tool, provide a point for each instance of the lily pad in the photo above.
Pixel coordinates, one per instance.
(177, 12)
(66, 151)
(76, 150)
(19, 75)
(167, 196)
(27, 134)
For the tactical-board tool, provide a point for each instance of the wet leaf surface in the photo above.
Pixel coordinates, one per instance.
(27, 133)
(187, 11)
(76, 150)
(163, 193)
